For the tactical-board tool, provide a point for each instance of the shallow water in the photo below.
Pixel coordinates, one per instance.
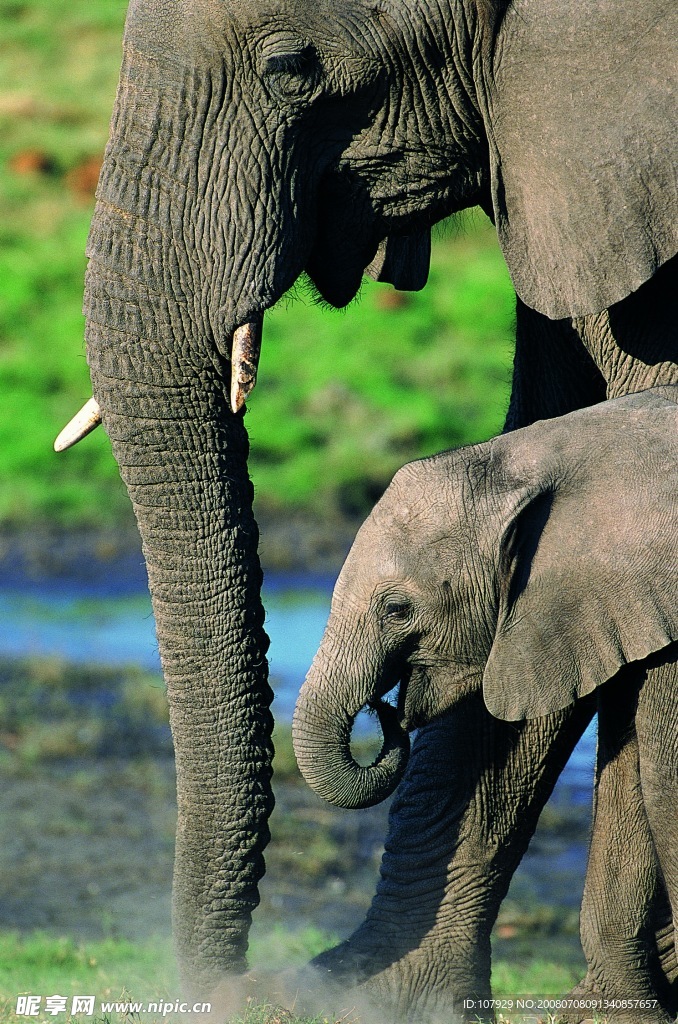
(97, 624)
(105, 629)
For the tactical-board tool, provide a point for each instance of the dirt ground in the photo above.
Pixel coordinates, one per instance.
(87, 850)
(87, 816)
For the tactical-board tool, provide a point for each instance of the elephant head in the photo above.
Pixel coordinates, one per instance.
(533, 566)
(253, 140)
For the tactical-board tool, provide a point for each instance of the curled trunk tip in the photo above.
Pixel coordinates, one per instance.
(323, 752)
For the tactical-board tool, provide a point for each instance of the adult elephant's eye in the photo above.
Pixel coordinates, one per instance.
(292, 76)
(398, 611)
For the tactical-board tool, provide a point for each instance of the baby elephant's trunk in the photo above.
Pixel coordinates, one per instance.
(323, 721)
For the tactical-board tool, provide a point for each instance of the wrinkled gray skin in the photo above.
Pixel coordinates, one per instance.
(534, 569)
(252, 140)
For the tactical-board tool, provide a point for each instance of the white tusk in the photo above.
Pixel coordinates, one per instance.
(244, 362)
(82, 424)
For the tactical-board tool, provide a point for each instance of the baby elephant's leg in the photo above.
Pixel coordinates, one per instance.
(657, 730)
(624, 892)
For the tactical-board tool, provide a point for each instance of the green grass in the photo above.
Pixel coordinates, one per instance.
(344, 398)
(58, 67)
(42, 964)
(376, 385)
(114, 969)
(117, 970)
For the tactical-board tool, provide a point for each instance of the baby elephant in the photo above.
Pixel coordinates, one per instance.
(538, 567)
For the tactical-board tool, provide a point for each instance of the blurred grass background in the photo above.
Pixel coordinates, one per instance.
(344, 398)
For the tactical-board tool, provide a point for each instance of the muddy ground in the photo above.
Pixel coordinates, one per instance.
(296, 542)
(87, 851)
(87, 813)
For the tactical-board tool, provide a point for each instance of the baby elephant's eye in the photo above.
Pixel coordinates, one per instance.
(398, 610)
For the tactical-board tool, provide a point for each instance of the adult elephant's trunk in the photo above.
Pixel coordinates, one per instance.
(326, 709)
(182, 455)
(162, 380)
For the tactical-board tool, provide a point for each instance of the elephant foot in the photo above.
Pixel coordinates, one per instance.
(377, 987)
(587, 991)
(374, 989)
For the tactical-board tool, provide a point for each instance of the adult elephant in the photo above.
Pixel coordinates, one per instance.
(252, 140)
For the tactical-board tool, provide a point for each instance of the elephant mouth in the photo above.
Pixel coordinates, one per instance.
(412, 709)
(398, 696)
(334, 266)
(345, 239)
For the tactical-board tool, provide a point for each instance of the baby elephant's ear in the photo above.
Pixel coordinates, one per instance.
(403, 261)
(587, 580)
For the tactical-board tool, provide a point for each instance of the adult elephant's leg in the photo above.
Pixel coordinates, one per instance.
(459, 825)
(633, 346)
(624, 892)
(635, 342)
(553, 373)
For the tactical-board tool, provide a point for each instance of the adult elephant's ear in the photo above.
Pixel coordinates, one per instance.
(588, 574)
(580, 110)
(403, 261)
